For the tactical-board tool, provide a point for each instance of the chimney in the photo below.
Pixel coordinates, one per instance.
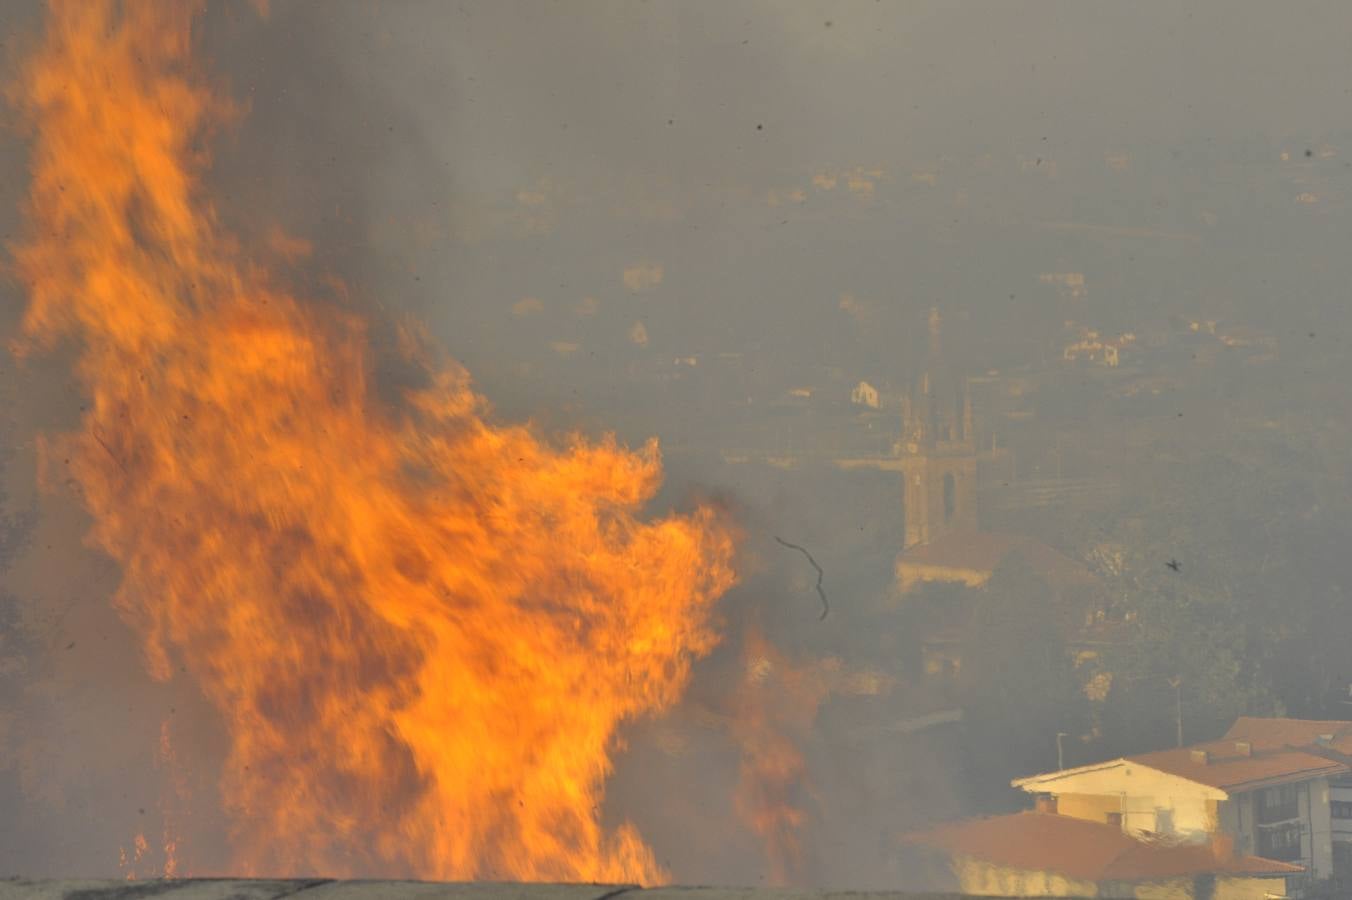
(1045, 803)
(1222, 847)
(1244, 748)
(1201, 757)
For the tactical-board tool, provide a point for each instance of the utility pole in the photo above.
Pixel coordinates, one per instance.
(1177, 684)
(1060, 755)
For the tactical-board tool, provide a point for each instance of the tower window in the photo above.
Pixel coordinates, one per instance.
(950, 496)
(904, 537)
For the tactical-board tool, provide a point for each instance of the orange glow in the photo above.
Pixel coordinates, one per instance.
(421, 628)
(174, 803)
(128, 862)
(774, 707)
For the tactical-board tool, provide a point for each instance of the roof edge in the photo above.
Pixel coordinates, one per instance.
(1060, 773)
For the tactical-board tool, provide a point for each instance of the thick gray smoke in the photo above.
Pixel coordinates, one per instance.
(708, 222)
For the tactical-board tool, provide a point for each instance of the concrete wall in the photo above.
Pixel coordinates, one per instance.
(1175, 889)
(982, 879)
(1090, 807)
(1315, 810)
(1237, 888)
(978, 878)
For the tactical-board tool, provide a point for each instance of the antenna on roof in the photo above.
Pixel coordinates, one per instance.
(1177, 684)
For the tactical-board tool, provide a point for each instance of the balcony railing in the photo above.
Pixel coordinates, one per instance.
(1273, 815)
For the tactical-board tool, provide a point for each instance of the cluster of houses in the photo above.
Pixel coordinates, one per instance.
(1266, 811)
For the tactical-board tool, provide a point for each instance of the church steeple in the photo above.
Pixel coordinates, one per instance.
(968, 427)
(937, 448)
(936, 323)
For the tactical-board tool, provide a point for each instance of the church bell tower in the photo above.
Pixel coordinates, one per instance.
(937, 450)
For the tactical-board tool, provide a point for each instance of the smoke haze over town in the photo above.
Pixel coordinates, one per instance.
(995, 353)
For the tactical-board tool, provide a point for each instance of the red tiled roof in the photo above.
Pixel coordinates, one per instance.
(1270, 734)
(1229, 769)
(983, 551)
(1045, 842)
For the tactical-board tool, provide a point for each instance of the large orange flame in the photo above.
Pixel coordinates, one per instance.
(773, 710)
(774, 707)
(421, 628)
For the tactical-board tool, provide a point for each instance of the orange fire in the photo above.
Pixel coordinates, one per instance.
(144, 861)
(174, 803)
(128, 862)
(774, 707)
(421, 628)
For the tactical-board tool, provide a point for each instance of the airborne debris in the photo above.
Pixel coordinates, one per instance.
(826, 606)
(109, 450)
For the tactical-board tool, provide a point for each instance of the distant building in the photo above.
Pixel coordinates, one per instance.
(937, 456)
(1040, 854)
(864, 394)
(1266, 811)
(1070, 285)
(1260, 346)
(1118, 162)
(1092, 346)
(1278, 788)
(937, 452)
(970, 558)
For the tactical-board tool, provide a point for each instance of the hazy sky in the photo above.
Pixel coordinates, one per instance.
(494, 165)
(573, 196)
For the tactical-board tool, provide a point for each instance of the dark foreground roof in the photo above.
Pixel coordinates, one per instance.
(319, 889)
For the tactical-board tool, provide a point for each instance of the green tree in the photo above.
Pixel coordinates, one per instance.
(1018, 684)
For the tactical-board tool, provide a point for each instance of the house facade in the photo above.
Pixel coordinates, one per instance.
(1280, 789)
(1266, 811)
(1041, 854)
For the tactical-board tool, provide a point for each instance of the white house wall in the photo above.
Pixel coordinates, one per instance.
(1150, 800)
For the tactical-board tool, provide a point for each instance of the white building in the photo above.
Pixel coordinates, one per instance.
(1281, 788)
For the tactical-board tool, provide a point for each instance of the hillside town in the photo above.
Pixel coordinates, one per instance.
(835, 449)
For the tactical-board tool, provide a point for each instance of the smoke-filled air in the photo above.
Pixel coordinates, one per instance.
(836, 444)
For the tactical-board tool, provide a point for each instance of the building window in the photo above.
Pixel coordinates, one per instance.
(1278, 804)
(1164, 821)
(1342, 809)
(950, 496)
(1342, 860)
(1281, 842)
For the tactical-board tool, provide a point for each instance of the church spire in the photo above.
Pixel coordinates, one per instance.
(968, 426)
(937, 450)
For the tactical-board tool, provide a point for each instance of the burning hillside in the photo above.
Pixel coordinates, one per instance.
(421, 628)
